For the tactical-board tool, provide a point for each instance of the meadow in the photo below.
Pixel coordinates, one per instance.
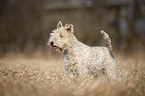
(25, 76)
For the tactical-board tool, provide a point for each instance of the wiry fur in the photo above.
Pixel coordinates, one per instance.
(80, 59)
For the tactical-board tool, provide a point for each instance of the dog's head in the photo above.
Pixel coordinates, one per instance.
(61, 37)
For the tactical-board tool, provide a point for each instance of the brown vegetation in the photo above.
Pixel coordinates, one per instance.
(22, 76)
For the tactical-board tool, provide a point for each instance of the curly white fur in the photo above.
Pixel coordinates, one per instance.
(81, 59)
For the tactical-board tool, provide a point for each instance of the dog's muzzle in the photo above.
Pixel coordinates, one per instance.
(56, 48)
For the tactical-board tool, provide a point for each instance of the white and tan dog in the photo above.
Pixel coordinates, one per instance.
(80, 59)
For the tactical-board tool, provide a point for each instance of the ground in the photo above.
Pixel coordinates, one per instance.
(22, 76)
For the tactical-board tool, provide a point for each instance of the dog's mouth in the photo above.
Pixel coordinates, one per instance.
(56, 48)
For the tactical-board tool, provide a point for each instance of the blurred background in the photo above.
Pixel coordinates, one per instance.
(25, 25)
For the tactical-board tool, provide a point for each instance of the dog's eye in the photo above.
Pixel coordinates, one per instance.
(61, 36)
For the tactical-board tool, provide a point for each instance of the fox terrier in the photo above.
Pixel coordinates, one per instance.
(81, 59)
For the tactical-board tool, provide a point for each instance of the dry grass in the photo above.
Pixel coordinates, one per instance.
(20, 76)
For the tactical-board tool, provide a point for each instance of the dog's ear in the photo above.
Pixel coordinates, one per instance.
(59, 24)
(69, 28)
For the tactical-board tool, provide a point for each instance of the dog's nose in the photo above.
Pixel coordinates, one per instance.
(52, 43)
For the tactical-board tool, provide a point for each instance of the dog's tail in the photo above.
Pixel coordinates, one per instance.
(107, 39)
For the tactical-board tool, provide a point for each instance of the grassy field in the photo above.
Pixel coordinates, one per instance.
(22, 76)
